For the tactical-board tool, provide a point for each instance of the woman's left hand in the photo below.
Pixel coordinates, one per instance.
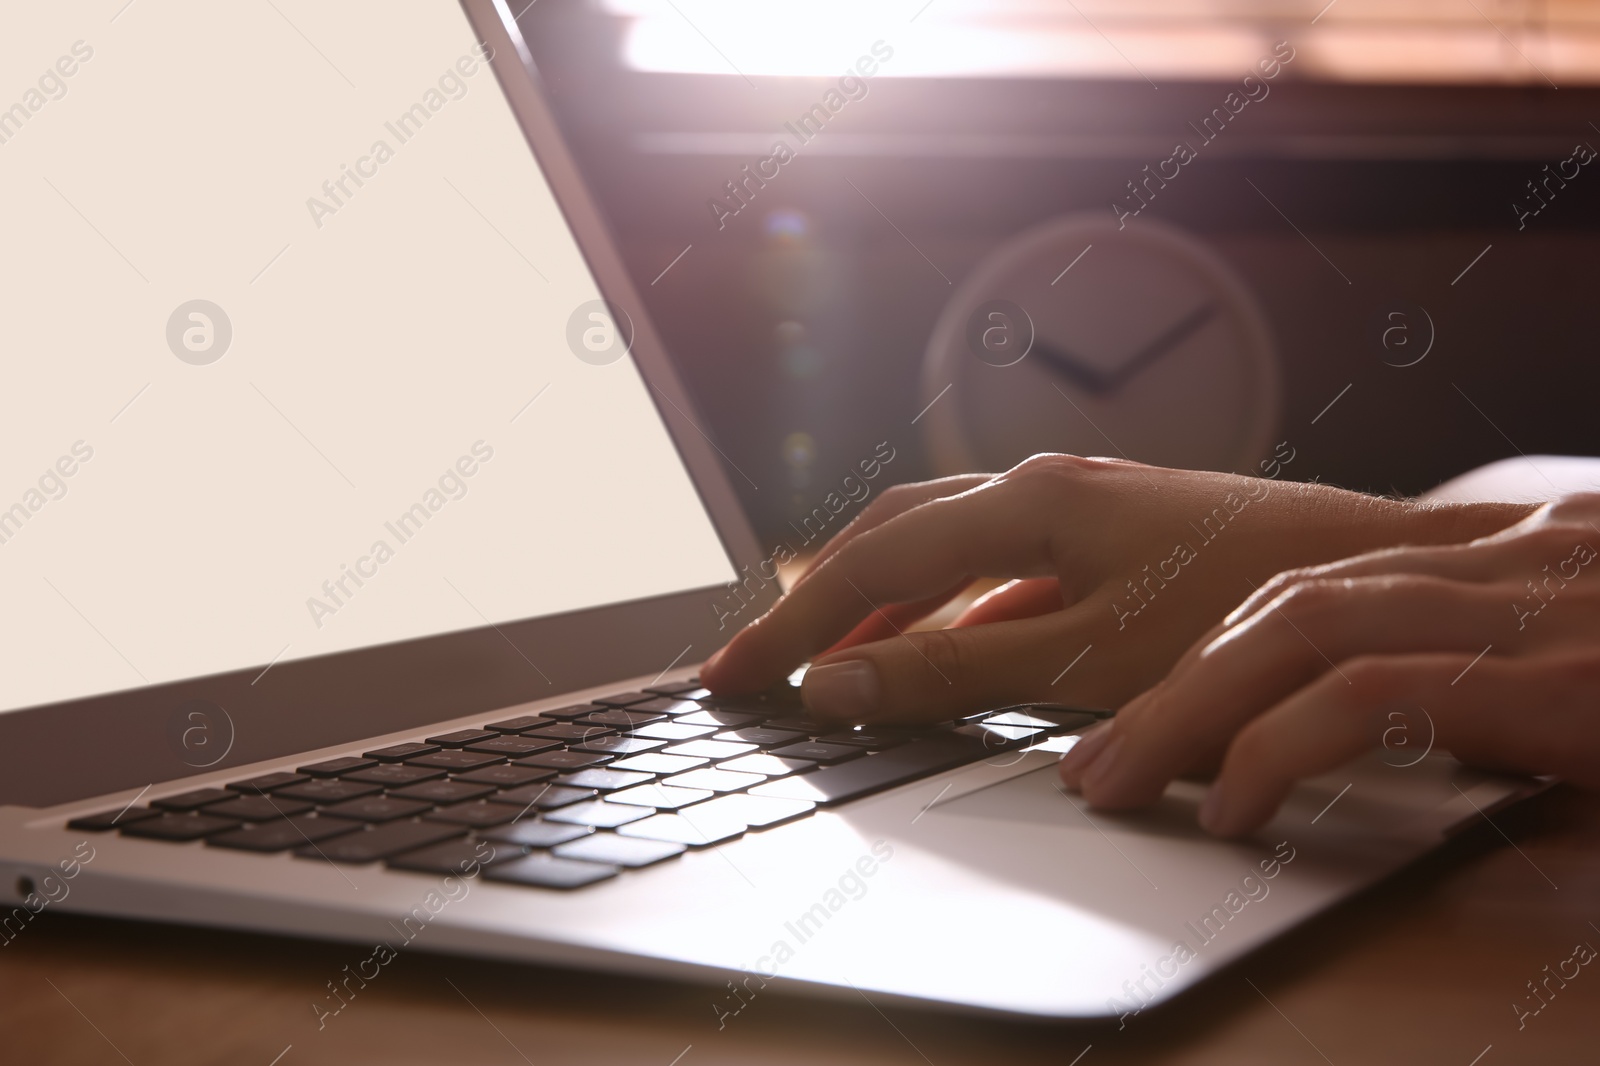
(1497, 640)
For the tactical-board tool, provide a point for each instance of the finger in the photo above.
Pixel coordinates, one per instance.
(935, 675)
(1522, 553)
(1014, 599)
(894, 618)
(996, 530)
(1309, 631)
(894, 501)
(891, 503)
(1330, 722)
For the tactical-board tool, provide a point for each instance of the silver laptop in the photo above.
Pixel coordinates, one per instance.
(358, 543)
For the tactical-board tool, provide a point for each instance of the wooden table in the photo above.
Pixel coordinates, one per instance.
(1423, 969)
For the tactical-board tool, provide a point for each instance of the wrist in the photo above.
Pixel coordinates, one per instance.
(1337, 523)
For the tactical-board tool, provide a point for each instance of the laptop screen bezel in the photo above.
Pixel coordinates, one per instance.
(75, 749)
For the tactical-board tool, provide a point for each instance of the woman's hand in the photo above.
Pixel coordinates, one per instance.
(1121, 564)
(1498, 641)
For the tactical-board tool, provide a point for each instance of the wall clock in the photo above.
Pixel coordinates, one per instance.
(1080, 337)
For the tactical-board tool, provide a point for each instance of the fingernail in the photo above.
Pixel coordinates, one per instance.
(1104, 765)
(841, 690)
(1213, 810)
(1082, 753)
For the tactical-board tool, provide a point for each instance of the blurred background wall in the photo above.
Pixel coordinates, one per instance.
(1392, 151)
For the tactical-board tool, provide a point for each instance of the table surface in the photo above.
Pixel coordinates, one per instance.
(1422, 969)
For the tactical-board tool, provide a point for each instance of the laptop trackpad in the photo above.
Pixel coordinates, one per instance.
(1038, 796)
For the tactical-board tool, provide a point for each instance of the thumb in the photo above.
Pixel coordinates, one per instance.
(938, 674)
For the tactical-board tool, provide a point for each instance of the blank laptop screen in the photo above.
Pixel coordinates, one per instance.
(300, 355)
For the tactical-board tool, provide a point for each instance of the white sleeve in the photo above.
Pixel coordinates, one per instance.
(1524, 479)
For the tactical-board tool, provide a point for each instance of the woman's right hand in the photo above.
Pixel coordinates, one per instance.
(1122, 566)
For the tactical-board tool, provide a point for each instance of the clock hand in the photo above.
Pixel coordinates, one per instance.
(1099, 383)
(1175, 335)
(1069, 366)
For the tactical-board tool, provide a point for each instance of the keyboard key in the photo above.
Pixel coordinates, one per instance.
(267, 782)
(570, 731)
(577, 710)
(711, 749)
(442, 792)
(1044, 718)
(620, 719)
(455, 760)
(773, 701)
(326, 790)
(672, 731)
(504, 776)
(818, 752)
(619, 851)
(376, 809)
(619, 746)
(180, 827)
(656, 763)
(770, 765)
(396, 752)
(192, 801)
(720, 719)
(394, 774)
(544, 797)
(691, 832)
(283, 834)
(370, 845)
(716, 780)
(837, 784)
(624, 699)
(606, 780)
(546, 871)
(535, 834)
(599, 813)
(761, 737)
(462, 737)
(104, 821)
(801, 725)
(871, 739)
(682, 689)
(335, 767)
(521, 722)
(257, 808)
(1000, 737)
(669, 707)
(513, 747)
(477, 814)
(562, 760)
(757, 812)
(664, 797)
(456, 857)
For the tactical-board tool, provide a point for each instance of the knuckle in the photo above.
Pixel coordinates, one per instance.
(1056, 466)
(1370, 678)
(1287, 579)
(949, 652)
(1311, 599)
(1578, 507)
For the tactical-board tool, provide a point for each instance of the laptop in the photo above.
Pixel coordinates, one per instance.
(360, 543)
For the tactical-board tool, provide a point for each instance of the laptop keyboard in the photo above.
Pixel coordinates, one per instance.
(576, 795)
